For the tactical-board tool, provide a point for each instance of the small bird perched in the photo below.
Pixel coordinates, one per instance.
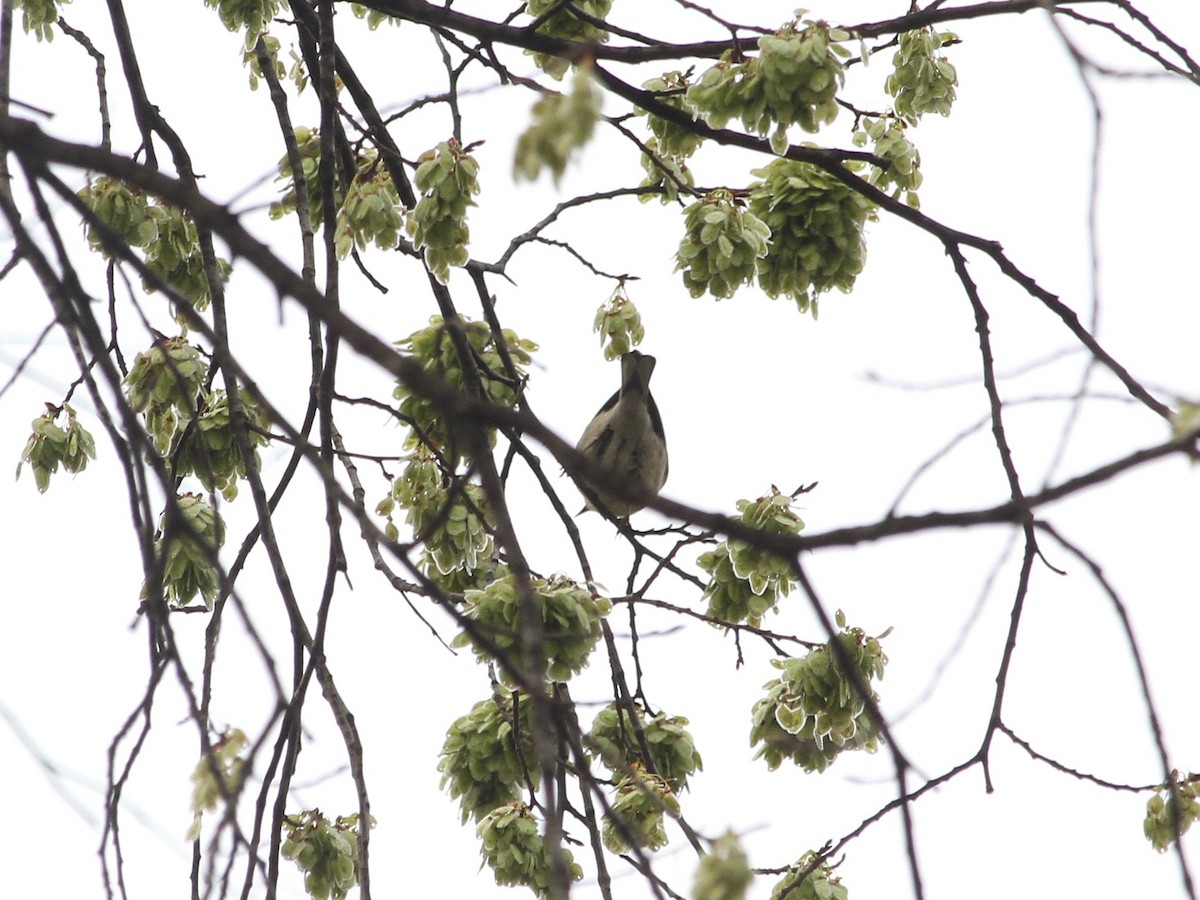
(626, 438)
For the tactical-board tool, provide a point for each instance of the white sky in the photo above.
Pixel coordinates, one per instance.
(752, 394)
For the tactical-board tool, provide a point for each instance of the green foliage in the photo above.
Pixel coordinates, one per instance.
(190, 426)
(672, 751)
(563, 23)
(730, 592)
(165, 233)
(38, 16)
(819, 884)
(487, 758)
(250, 61)
(816, 224)
(175, 256)
(218, 775)
(1168, 817)
(186, 545)
(296, 73)
(722, 245)
(664, 175)
(308, 146)
(434, 350)
(207, 448)
(746, 582)
(923, 80)
(619, 324)
(570, 617)
(50, 445)
(124, 209)
(561, 124)
(813, 712)
(724, 872)
(793, 80)
(889, 136)
(672, 140)
(641, 800)
(448, 517)
(671, 144)
(448, 178)
(374, 17)
(1185, 420)
(370, 212)
(252, 15)
(326, 852)
(166, 384)
(514, 849)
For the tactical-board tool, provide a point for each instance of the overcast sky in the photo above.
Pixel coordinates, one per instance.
(752, 394)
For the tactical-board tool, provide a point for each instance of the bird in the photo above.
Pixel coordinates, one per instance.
(626, 438)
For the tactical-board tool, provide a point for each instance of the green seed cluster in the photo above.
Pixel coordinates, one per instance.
(793, 80)
(434, 350)
(253, 15)
(665, 175)
(671, 145)
(570, 618)
(166, 235)
(487, 759)
(218, 774)
(722, 245)
(813, 712)
(563, 23)
(672, 750)
(208, 449)
(619, 325)
(187, 569)
(175, 256)
(370, 213)
(819, 884)
(326, 852)
(453, 525)
(889, 136)
(250, 61)
(374, 17)
(166, 383)
(731, 593)
(922, 80)
(816, 224)
(191, 426)
(672, 139)
(51, 445)
(562, 123)
(1165, 817)
(124, 209)
(451, 522)
(641, 800)
(448, 178)
(1185, 419)
(39, 16)
(514, 849)
(308, 146)
(745, 582)
(447, 513)
(724, 872)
